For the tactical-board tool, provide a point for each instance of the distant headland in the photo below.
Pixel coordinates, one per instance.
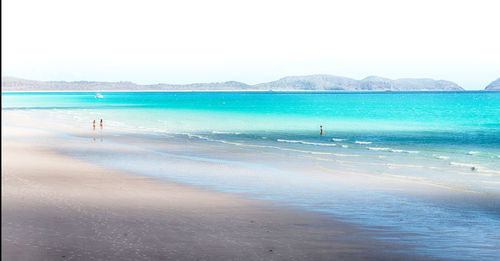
(494, 85)
(318, 82)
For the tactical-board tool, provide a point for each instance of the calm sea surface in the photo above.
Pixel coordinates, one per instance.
(445, 139)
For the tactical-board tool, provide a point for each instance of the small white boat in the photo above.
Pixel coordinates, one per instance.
(98, 95)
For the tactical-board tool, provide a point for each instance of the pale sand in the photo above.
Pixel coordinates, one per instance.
(55, 207)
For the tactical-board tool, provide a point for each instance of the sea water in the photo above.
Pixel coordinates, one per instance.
(444, 139)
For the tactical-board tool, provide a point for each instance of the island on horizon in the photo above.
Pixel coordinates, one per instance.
(318, 82)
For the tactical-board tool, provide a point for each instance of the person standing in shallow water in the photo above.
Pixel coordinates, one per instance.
(93, 127)
(321, 127)
(101, 129)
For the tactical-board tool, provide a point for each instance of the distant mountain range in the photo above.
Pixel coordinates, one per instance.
(371, 83)
(320, 82)
(494, 85)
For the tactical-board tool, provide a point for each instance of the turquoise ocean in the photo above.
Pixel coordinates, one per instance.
(447, 140)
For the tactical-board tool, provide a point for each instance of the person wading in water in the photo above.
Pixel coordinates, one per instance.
(101, 129)
(321, 127)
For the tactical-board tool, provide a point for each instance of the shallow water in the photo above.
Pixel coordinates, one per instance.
(267, 146)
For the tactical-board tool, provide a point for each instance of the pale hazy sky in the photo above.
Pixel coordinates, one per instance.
(250, 41)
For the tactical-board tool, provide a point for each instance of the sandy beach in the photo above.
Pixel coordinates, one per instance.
(262, 130)
(55, 207)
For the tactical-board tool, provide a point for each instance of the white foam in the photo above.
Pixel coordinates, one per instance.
(379, 149)
(307, 143)
(345, 146)
(462, 164)
(289, 141)
(225, 132)
(496, 172)
(198, 136)
(473, 152)
(272, 147)
(363, 142)
(220, 132)
(442, 157)
(320, 144)
(392, 150)
(308, 151)
(334, 139)
(301, 151)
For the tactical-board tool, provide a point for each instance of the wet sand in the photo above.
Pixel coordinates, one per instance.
(55, 207)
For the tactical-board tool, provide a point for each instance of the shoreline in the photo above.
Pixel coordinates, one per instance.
(115, 215)
(412, 203)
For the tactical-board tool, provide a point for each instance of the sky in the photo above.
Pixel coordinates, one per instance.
(250, 41)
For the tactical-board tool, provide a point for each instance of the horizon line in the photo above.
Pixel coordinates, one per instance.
(236, 81)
